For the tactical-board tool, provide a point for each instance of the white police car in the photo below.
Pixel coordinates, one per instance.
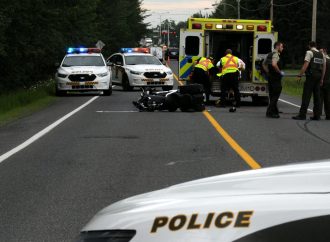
(83, 69)
(135, 67)
(280, 204)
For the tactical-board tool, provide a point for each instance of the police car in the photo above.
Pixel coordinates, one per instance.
(83, 69)
(280, 204)
(135, 67)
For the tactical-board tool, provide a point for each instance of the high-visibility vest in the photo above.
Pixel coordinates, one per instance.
(204, 64)
(229, 64)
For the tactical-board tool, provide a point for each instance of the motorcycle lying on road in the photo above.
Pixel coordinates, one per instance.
(187, 98)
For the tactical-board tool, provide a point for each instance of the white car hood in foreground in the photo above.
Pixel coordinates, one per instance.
(149, 68)
(255, 200)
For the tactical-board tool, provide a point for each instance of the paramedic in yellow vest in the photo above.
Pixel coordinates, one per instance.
(229, 75)
(201, 75)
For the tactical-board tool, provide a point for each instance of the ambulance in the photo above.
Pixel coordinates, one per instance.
(250, 40)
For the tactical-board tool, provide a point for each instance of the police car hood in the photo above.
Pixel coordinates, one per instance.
(83, 69)
(149, 68)
(230, 191)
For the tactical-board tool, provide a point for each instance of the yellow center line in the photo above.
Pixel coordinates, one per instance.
(239, 150)
(235, 146)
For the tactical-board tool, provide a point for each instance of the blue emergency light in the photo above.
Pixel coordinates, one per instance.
(137, 50)
(126, 50)
(82, 50)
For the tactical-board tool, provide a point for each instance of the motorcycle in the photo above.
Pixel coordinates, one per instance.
(186, 98)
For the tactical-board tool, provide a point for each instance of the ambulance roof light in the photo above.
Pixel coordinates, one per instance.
(261, 28)
(197, 26)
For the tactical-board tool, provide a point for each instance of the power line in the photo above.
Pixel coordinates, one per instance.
(288, 4)
(255, 10)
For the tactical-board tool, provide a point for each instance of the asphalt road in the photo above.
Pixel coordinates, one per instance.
(107, 151)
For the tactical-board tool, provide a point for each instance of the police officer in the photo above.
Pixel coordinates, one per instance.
(325, 87)
(314, 68)
(229, 75)
(201, 74)
(274, 79)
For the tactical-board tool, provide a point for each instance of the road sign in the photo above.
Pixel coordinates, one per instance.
(99, 44)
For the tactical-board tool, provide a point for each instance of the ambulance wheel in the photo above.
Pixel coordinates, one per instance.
(167, 88)
(260, 101)
(125, 83)
(199, 107)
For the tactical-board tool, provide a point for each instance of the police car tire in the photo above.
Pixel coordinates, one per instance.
(107, 92)
(167, 88)
(126, 85)
(59, 93)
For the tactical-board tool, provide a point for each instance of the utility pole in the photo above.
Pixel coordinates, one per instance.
(238, 9)
(271, 11)
(168, 34)
(314, 20)
(160, 29)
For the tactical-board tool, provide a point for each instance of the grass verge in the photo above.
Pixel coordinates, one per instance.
(291, 85)
(20, 103)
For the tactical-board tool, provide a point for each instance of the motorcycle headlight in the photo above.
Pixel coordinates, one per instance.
(135, 72)
(102, 74)
(62, 75)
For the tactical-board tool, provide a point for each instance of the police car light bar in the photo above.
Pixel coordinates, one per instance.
(82, 50)
(136, 50)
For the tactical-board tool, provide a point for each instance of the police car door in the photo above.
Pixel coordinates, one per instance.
(191, 48)
(263, 44)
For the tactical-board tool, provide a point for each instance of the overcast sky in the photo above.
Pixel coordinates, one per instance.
(177, 10)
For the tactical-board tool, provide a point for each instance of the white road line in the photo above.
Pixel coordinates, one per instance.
(295, 105)
(43, 132)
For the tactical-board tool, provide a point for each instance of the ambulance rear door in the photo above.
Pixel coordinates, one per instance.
(263, 44)
(191, 48)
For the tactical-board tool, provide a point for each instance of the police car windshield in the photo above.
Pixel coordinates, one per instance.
(142, 60)
(83, 61)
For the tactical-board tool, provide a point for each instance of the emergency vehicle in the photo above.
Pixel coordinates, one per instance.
(289, 203)
(250, 40)
(136, 67)
(81, 70)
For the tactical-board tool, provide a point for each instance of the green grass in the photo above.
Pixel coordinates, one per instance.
(291, 85)
(20, 103)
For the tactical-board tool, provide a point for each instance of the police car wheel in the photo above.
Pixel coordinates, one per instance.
(59, 93)
(167, 88)
(126, 85)
(107, 92)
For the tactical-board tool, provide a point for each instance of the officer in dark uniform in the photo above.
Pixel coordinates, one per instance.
(275, 78)
(314, 68)
(325, 87)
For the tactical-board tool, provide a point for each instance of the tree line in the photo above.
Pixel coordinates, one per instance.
(34, 35)
(291, 19)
